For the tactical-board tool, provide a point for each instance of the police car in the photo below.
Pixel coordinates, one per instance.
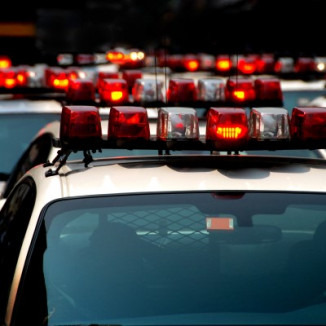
(170, 239)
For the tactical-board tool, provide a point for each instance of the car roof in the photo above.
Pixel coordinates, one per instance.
(192, 172)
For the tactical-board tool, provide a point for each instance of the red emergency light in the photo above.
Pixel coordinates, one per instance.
(240, 90)
(114, 91)
(128, 122)
(308, 123)
(181, 90)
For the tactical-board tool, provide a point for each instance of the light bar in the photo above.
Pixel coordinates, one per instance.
(228, 129)
(211, 89)
(269, 123)
(175, 123)
(227, 126)
(80, 125)
(128, 122)
(148, 90)
(308, 123)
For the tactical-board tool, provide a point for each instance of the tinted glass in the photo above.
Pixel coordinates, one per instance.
(186, 258)
(16, 133)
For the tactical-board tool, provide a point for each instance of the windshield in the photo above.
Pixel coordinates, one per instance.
(186, 258)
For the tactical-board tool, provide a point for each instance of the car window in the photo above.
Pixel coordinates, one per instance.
(36, 153)
(183, 257)
(16, 133)
(14, 218)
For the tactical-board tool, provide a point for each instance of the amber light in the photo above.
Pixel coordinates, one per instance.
(223, 64)
(5, 62)
(228, 132)
(229, 124)
(116, 95)
(247, 66)
(241, 95)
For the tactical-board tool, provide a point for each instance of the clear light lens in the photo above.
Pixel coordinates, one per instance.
(148, 90)
(177, 123)
(269, 123)
(211, 89)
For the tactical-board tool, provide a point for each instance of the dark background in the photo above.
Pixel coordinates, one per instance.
(282, 27)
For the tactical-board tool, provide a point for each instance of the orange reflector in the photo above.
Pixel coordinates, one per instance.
(219, 223)
(128, 122)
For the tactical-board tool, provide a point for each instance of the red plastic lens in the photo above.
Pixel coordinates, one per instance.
(181, 90)
(114, 91)
(227, 124)
(304, 65)
(190, 63)
(105, 75)
(57, 78)
(130, 76)
(80, 123)
(265, 64)
(128, 122)
(308, 123)
(240, 90)
(247, 66)
(5, 62)
(268, 89)
(223, 64)
(11, 78)
(81, 90)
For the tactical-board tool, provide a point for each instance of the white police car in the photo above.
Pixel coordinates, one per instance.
(170, 239)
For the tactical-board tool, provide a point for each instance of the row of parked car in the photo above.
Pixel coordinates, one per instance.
(128, 215)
